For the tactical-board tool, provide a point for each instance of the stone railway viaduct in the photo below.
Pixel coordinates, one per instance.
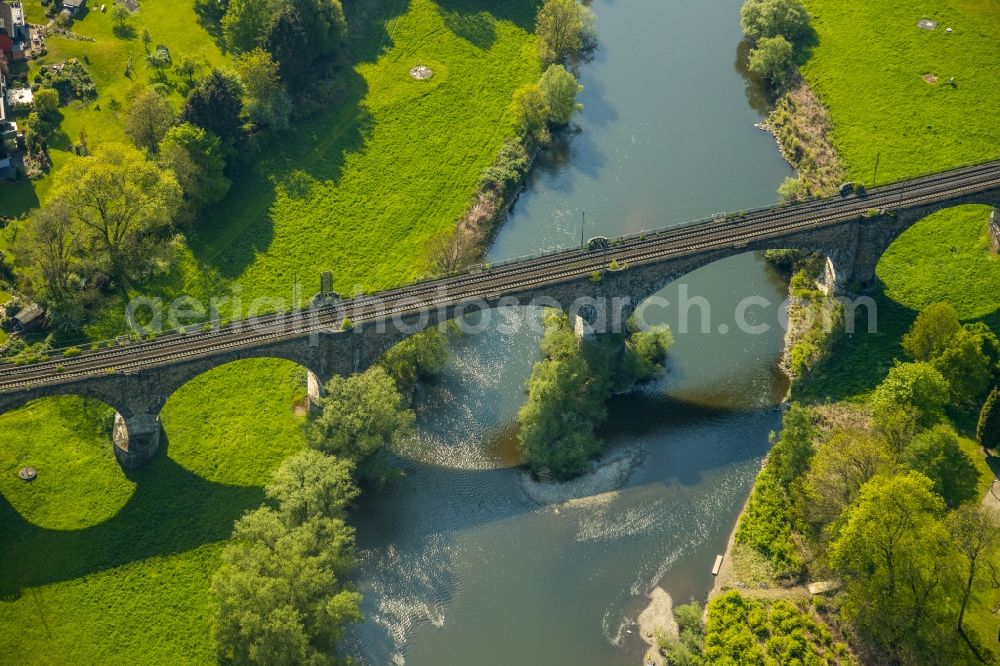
(851, 231)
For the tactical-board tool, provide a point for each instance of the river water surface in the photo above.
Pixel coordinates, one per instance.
(458, 565)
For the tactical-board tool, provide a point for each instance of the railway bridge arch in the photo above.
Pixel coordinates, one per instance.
(602, 287)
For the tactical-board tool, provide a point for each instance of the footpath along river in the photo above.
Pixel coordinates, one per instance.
(459, 565)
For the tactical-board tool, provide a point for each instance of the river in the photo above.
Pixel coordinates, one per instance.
(458, 565)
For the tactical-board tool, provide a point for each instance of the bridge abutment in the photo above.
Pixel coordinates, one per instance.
(314, 389)
(136, 439)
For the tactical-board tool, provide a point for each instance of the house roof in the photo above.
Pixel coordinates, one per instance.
(28, 314)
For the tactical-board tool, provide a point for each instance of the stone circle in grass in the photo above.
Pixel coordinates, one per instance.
(27, 473)
(926, 24)
(421, 72)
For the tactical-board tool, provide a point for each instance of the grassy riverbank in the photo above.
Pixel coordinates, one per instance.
(913, 126)
(101, 567)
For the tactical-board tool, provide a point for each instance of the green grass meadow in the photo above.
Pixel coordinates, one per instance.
(100, 566)
(867, 68)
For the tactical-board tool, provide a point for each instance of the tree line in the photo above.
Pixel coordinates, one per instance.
(888, 504)
(280, 595)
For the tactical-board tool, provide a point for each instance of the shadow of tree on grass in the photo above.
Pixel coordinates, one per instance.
(171, 511)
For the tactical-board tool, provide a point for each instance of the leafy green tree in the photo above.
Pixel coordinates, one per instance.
(324, 24)
(283, 38)
(360, 416)
(48, 253)
(195, 157)
(119, 18)
(160, 61)
(793, 449)
(894, 556)
(36, 129)
(188, 68)
(45, 103)
(531, 113)
(917, 389)
(841, 466)
(772, 58)
(559, 88)
(557, 428)
(965, 366)
(564, 28)
(266, 102)
(279, 596)
(931, 331)
(566, 402)
(646, 352)
(975, 532)
(937, 455)
(988, 427)
(771, 18)
(311, 484)
(245, 21)
(118, 196)
(148, 118)
(215, 105)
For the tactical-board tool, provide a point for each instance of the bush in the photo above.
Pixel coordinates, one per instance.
(508, 169)
(72, 80)
(70, 352)
(766, 525)
(566, 403)
(740, 630)
(645, 353)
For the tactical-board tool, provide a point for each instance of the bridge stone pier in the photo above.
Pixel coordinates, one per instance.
(138, 397)
(599, 304)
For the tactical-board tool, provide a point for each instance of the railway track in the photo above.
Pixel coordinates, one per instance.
(512, 277)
